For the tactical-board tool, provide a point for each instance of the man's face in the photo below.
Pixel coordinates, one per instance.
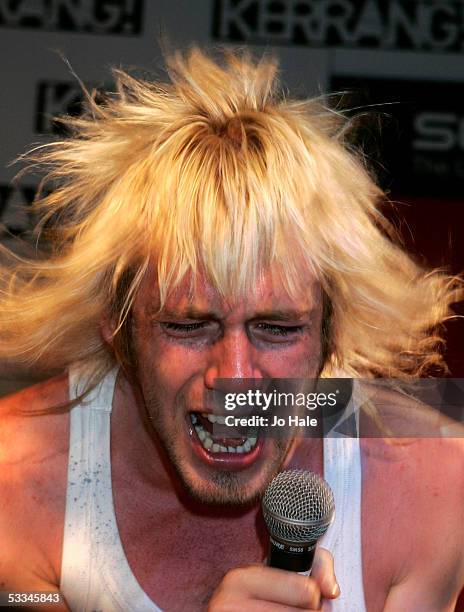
(195, 340)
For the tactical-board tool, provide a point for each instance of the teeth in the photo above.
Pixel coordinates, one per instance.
(207, 441)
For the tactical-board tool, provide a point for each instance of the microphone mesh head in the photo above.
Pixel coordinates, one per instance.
(298, 506)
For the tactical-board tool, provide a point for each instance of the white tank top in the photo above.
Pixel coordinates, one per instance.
(95, 573)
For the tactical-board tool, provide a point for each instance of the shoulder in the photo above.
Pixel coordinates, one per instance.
(413, 454)
(40, 396)
(423, 472)
(415, 446)
(33, 464)
(30, 425)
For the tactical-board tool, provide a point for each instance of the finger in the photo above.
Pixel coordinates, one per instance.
(324, 574)
(277, 586)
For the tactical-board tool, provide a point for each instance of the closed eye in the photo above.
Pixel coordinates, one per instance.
(184, 327)
(279, 330)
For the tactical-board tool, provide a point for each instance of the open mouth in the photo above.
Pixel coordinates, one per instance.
(221, 451)
(203, 424)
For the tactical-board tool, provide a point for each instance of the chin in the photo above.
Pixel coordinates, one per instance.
(214, 479)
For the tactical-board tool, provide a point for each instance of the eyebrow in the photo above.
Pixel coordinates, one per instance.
(283, 315)
(189, 313)
(273, 315)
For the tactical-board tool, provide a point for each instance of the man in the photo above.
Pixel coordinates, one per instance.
(201, 230)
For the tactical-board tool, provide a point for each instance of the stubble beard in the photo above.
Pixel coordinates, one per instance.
(224, 488)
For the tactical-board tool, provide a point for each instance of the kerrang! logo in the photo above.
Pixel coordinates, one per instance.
(435, 25)
(122, 17)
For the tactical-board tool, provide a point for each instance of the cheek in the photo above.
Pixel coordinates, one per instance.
(297, 361)
(164, 365)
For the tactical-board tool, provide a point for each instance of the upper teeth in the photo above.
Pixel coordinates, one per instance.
(211, 446)
(212, 418)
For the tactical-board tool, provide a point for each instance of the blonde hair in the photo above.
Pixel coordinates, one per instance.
(216, 169)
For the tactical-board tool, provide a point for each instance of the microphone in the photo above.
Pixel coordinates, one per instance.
(298, 507)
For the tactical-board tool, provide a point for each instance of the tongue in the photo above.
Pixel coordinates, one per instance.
(233, 442)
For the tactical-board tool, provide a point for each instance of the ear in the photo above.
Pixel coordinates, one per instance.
(107, 328)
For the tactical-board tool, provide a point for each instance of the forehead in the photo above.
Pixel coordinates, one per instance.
(199, 293)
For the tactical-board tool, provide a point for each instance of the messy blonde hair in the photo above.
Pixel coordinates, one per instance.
(218, 169)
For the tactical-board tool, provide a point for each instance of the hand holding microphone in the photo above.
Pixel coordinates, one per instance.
(298, 508)
(257, 588)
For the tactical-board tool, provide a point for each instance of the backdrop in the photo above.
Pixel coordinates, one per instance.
(401, 61)
(398, 60)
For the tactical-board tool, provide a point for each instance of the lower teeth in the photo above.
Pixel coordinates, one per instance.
(213, 447)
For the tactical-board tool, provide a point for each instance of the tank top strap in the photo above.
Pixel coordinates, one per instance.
(95, 574)
(100, 397)
(342, 470)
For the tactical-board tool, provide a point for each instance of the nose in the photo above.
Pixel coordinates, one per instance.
(233, 356)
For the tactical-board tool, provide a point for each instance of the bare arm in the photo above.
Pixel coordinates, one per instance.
(434, 576)
(24, 568)
(32, 499)
(420, 596)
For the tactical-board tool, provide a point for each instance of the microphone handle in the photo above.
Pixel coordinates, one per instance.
(291, 557)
